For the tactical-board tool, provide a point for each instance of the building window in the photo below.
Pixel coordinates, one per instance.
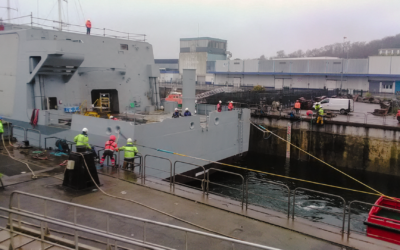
(124, 46)
(337, 63)
(282, 63)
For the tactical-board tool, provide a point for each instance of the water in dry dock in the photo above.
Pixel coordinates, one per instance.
(313, 206)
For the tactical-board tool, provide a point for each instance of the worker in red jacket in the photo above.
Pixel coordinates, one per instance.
(230, 106)
(110, 147)
(219, 106)
(88, 26)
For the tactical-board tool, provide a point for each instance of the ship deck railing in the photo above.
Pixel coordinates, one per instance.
(37, 22)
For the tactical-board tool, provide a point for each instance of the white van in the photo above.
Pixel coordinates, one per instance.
(344, 106)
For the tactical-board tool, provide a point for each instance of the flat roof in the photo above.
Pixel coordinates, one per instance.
(203, 38)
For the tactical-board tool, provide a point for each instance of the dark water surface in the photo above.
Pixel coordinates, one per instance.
(313, 206)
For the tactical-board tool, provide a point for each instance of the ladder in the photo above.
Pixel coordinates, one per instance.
(217, 91)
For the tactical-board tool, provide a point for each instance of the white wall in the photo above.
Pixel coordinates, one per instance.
(8, 70)
(379, 64)
(193, 60)
(251, 65)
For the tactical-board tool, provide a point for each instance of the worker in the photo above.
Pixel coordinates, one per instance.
(320, 116)
(82, 143)
(129, 154)
(176, 114)
(397, 116)
(1, 130)
(317, 106)
(219, 106)
(113, 118)
(109, 148)
(230, 106)
(187, 112)
(88, 26)
(297, 106)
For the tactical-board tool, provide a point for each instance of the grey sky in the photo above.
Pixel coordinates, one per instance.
(252, 27)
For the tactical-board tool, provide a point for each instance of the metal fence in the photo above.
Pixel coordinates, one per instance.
(143, 232)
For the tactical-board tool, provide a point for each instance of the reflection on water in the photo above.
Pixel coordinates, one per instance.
(313, 206)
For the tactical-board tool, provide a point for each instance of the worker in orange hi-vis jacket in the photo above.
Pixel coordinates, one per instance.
(88, 26)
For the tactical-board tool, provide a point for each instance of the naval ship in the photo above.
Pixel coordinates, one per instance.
(63, 75)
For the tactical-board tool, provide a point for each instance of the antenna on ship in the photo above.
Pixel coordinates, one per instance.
(59, 13)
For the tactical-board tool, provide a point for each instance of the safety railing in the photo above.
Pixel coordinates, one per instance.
(75, 227)
(356, 115)
(222, 185)
(202, 181)
(37, 131)
(140, 239)
(327, 194)
(134, 163)
(268, 197)
(157, 169)
(381, 219)
(19, 127)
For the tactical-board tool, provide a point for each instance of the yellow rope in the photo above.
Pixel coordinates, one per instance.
(377, 192)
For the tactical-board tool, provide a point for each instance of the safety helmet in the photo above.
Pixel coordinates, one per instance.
(176, 109)
(220, 102)
(85, 130)
(112, 138)
(129, 140)
(231, 101)
(186, 109)
(111, 116)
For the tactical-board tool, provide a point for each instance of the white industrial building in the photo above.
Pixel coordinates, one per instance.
(375, 74)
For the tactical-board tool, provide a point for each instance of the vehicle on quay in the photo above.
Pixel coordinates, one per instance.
(344, 106)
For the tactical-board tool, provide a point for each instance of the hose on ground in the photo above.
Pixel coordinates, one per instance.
(9, 154)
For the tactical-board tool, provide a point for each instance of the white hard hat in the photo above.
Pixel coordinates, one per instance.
(231, 101)
(129, 140)
(85, 130)
(111, 116)
(186, 109)
(220, 102)
(176, 109)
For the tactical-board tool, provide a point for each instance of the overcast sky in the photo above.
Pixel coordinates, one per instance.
(252, 27)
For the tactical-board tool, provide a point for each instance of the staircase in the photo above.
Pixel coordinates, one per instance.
(217, 91)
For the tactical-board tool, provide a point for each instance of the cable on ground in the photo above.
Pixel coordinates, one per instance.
(9, 141)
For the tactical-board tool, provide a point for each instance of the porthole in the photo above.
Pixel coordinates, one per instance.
(192, 125)
(216, 121)
(108, 131)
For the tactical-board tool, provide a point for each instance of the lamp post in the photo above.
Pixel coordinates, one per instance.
(341, 77)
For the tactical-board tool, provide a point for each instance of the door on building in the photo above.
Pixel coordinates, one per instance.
(374, 87)
(397, 87)
(236, 82)
(330, 84)
(278, 83)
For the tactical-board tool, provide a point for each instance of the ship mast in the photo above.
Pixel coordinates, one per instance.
(59, 15)
(8, 10)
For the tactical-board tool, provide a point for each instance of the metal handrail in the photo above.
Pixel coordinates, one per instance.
(40, 135)
(202, 181)
(318, 192)
(70, 226)
(365, 203)
(219, 170)
(154, 156)
(15, 126)
(108, 213)
(272, 182)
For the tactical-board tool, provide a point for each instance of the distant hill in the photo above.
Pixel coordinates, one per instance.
(354, 50)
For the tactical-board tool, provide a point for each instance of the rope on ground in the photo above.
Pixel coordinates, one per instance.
(9, 141)
(154, 209)
(266, 130)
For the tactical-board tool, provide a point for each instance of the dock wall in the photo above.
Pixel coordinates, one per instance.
(356, 146)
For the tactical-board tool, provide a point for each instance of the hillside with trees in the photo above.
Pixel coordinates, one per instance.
(347, 49)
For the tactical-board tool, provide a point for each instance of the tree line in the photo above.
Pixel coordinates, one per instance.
(344, 50)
